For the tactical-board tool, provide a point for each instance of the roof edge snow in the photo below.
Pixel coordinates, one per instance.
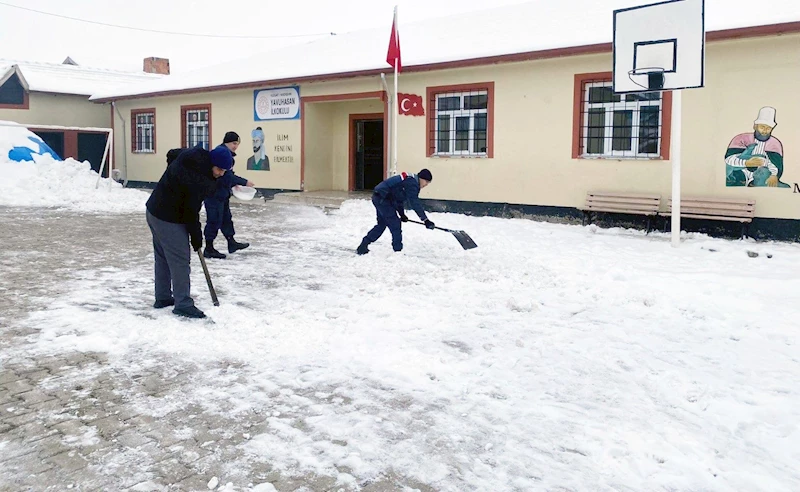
(711, 36)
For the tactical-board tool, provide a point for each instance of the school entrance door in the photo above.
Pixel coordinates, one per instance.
(367, 154)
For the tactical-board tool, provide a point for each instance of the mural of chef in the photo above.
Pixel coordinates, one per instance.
(259, 160)
(756, 159)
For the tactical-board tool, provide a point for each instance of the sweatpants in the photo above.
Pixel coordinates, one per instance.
(387, 217)
(172, 257)
(218, 217)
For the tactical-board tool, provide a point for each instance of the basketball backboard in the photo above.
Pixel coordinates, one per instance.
(660, 46)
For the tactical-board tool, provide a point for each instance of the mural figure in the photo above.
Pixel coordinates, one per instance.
(756, 159)
(259, 160)
(25, 153)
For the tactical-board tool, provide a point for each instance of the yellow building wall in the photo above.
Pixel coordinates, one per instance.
(533, 127)
(61, 110)
(318, 147)
(230, 111)
(533, 163)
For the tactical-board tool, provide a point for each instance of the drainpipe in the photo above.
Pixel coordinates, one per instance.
(124, 145)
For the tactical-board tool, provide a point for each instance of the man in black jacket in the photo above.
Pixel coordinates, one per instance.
(173, 215)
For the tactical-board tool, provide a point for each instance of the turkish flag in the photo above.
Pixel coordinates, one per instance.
(393, 53)
(410, 104)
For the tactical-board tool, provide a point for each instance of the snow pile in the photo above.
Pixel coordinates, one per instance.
(48, 182)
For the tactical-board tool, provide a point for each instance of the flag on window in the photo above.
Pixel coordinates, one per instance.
(410, 104)
(393, 54)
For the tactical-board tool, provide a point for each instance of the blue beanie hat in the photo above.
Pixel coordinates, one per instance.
(221, 157)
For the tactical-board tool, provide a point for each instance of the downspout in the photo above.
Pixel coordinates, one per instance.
(124, 145)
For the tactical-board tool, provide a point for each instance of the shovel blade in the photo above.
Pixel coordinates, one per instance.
(464, 240)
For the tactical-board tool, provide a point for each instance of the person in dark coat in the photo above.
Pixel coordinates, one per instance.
(218, 207)
(173, 215)
(389, 199)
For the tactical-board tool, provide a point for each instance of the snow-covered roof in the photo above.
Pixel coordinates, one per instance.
(534, 26)
(72, 79)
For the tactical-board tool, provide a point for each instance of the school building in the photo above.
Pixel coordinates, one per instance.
(511, 116)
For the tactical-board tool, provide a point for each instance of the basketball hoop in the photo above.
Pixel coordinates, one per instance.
(655, 77)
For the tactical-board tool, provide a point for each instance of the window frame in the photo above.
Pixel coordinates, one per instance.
(432, 120)
(184, 123)
(25, 104)
(580, 110)
(135, 130)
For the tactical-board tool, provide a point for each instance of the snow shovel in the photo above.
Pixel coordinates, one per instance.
(208, 278)
(463, 238)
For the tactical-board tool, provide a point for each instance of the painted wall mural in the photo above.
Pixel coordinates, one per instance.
(756, 158)
(259, 160)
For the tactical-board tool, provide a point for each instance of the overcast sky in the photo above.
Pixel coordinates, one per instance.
(34, 36)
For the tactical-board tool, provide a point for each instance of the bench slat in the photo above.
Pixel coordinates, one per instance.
(712, 217)
(595, 206)
(623, 200)
(622, 211)
(624, 195)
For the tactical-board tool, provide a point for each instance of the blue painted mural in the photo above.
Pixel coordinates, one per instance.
(25, 153)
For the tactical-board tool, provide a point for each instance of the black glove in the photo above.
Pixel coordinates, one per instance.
(403, 217)
(195, 236)
(197, 241)
(429, 224)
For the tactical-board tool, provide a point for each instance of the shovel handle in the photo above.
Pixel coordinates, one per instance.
(435, 227)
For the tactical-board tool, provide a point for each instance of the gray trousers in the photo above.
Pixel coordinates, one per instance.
(172, 254)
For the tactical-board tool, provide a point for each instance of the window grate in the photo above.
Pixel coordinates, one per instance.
(619, 125)
(459, 123)
(144, 138)
(196, 127)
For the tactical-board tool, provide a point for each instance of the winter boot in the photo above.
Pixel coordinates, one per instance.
(233, 246)
(189, 312)
(162, 303)
(210, 252)
(362, 248)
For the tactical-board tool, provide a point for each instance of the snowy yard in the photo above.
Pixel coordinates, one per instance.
(551, 357)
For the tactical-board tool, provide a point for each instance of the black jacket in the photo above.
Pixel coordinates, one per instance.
(182, 188)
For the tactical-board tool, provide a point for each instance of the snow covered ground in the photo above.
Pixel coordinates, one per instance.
(552, 357)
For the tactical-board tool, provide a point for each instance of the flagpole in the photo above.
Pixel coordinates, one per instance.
(396, 110)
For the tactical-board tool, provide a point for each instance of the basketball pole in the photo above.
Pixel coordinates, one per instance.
(676, 168)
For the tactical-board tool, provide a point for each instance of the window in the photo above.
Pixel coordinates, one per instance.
(12, 94)
(619, 126)
(143, 139)
(460, 120)
(196, 125)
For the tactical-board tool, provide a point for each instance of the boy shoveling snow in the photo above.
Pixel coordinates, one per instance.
(389, 198)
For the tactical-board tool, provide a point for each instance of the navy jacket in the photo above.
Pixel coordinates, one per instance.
(180, 192)
(226, 182)
(400, 188)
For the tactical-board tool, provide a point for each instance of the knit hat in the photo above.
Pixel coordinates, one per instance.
(221, 157)
(231, 137)
(426, 175)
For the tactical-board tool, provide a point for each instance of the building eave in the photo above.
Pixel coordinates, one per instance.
(600, 48)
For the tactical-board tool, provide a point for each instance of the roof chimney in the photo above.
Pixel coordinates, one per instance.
(153, 64)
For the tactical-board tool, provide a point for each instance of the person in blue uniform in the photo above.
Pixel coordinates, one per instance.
(389, 199)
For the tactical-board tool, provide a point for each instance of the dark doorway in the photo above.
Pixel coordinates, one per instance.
(54, 140)
(90, 148)
(369, 153)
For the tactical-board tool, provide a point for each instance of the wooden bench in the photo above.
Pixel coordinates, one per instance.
(621, 203)
(727, 209)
